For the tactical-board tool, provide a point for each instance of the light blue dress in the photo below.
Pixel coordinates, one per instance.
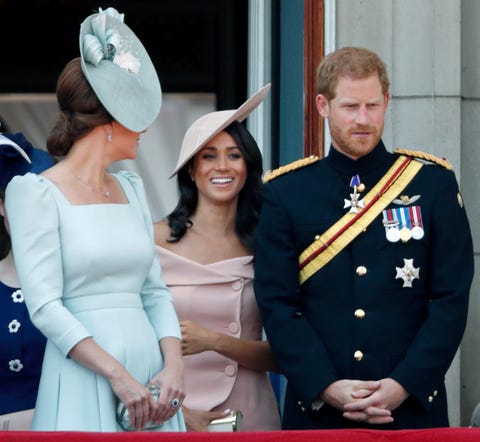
(89, 270)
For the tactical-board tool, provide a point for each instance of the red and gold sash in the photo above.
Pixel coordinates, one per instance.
(347, 228)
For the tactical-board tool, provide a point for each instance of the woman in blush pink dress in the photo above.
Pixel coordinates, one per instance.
(206, 248)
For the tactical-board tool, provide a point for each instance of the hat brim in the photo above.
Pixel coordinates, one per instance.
(208, 126)
(7, 141)
(132, 99)
(18, 156)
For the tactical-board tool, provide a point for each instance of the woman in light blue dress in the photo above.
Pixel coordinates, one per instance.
(84, 250)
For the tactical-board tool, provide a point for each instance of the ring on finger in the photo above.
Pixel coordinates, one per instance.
(175, 403)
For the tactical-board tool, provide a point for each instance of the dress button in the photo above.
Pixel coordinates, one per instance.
(230, 370)
(430, 398)
(361, 270)
(317, 237)
(358, 355)
(435, 393)
(237, 285)
(233, 327)
(359, 313)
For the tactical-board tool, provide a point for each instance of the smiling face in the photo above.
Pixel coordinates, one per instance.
(356, 115)
(219, 169)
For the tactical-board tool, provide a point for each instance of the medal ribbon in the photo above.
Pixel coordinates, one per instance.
(416, 215)
(347, 228)
(404, 216)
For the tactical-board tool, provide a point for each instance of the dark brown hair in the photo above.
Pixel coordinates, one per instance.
(80, 109)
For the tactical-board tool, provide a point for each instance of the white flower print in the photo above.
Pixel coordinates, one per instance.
(14, 326)
(15, 365)
(17, 296)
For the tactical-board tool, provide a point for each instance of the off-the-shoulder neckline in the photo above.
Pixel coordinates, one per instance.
(243, 257)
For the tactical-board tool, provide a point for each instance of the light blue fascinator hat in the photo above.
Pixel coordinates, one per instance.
(18, 156)
(119, 69)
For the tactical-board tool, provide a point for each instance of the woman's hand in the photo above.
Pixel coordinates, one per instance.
(196, 338)
(170, 381)
(136, 397)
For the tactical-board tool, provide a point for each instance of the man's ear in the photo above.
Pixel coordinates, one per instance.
(387, 100)
(323, 106)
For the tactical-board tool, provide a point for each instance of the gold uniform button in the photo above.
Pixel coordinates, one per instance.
(361, 187)
(361, 270)
(359, 313)
(435, 393)
(430, 398)
(317, 237)
(358, 355)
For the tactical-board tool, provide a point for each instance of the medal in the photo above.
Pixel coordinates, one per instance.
(417, 229)
(408, 272)
(355, 203)
(405, 234)
(393, 234)
(390, 222)
(417, 232)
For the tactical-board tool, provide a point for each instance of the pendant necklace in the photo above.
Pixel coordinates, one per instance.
(106, 193)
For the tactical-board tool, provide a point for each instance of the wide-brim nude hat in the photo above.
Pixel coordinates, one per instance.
(206, 127)
(119, 69)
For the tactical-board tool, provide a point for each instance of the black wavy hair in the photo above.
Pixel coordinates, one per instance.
(249, 199)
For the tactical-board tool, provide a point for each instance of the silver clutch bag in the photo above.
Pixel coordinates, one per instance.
(123, 417)
(232, 422)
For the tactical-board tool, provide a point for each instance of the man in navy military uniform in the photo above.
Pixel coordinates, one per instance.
(363, 266)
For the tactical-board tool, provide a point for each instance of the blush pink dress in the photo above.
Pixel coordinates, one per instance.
(220, 296)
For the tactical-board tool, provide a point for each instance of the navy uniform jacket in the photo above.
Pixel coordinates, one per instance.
(355, 303)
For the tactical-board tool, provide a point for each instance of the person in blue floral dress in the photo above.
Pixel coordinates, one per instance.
(22, 344)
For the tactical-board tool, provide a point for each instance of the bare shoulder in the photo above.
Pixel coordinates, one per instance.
(161, 232)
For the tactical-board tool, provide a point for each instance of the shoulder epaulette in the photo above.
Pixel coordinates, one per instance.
(271, 174)
(425, 156)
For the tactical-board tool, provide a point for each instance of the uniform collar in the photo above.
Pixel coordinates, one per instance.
(364, 165)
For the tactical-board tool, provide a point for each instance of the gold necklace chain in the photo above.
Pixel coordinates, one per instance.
(106, 193)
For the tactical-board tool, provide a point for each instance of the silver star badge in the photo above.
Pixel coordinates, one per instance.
(355, 203)
(408, 273)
